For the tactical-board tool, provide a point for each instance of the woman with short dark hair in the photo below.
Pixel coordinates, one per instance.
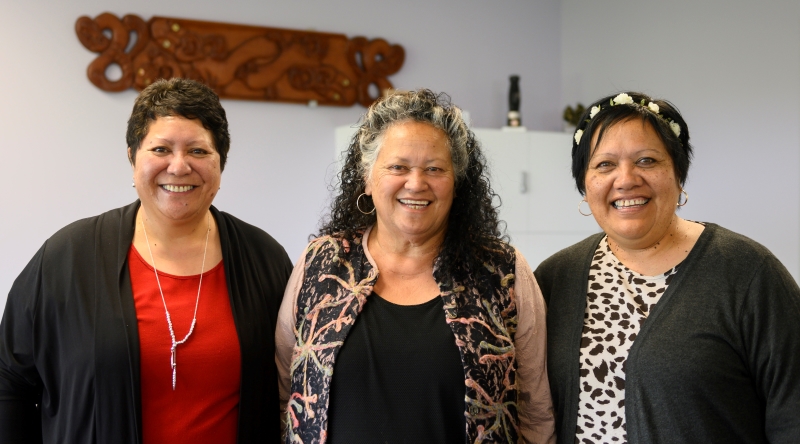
(153, 322)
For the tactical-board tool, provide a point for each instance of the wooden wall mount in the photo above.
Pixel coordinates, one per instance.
(239, 61)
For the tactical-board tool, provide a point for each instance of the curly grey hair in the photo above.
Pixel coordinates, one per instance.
(423, 106)
(473, 230)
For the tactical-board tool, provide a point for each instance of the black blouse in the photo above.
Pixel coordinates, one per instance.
(398, 378)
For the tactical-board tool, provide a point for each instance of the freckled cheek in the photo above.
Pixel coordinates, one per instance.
(595, 187)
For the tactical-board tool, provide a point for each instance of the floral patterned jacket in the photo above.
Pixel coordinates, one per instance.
(480, 310)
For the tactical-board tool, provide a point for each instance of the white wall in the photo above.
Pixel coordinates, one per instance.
(63, 140)
(733, 69)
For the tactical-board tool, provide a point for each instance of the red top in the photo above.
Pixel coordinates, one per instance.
(205, 404)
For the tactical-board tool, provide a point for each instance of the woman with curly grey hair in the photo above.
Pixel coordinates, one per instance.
(409, 318)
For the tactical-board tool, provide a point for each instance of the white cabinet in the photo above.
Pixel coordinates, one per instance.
(530, 171)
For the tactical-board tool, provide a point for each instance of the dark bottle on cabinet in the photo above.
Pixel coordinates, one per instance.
(513, 117)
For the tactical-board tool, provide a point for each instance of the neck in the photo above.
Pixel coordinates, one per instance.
(413, 248)
(655, 246)
(405, 266)
(177, 250)
(168, 233)
(668, 251)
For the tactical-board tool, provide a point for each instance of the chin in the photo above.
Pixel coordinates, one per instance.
(630, 234)
(181, 213)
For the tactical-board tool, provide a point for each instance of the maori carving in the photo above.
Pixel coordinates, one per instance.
(239, 61)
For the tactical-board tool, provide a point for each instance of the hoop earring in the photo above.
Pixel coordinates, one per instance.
(358, 205)
(685, 201)
(579, 208)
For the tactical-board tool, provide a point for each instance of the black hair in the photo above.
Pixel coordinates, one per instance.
(608, 112)
(178, 97)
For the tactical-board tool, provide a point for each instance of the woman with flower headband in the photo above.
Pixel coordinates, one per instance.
(662, 329)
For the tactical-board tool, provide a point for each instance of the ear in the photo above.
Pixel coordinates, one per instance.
(130, 158)
(368, 187)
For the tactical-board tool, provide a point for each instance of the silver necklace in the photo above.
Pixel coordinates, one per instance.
(173, 355)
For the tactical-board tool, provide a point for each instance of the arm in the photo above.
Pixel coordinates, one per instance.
(20, 384)
(284, 334)
(771, 332)
(535, 405)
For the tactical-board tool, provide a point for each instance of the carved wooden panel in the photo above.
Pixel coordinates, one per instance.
(239, 61)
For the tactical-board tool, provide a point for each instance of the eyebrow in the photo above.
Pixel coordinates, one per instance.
(406, 159)
(640, 151)
(157, 139)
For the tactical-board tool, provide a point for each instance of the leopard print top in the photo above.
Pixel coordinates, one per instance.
(618, 302)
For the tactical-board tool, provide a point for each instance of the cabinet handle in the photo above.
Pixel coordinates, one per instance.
(523, 185)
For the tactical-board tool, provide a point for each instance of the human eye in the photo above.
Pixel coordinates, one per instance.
(396, 168)
(159, 149)
(604, 165)
(646, 161)
(198, 151)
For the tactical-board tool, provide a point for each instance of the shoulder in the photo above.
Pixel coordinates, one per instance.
(333, 244)
(719, 248)
(732, 258)
(568, 268)
(498, 253)
(246, 234)
(83, 233)
(245, 245)
(731, 244)
(570, 257)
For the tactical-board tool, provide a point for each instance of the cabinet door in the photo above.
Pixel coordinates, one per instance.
(507, 156)
(554, 198)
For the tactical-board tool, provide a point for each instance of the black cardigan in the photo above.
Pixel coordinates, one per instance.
(717, 360)
(69, 338)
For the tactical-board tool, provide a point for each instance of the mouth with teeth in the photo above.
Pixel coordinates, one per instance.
(414, 204)
(178, 188)
(627, 203)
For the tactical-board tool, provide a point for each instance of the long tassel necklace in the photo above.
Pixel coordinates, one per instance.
(173, 359)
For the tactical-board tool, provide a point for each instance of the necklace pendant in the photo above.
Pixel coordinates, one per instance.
(173, 362)
(173, 352)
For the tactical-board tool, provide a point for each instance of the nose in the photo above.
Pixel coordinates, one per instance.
(179, 165)
(628, 177)
(416, 180)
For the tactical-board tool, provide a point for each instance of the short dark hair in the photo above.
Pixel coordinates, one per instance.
(610, 113)
(179, 97)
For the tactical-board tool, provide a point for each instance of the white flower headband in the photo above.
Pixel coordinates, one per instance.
(625, 99)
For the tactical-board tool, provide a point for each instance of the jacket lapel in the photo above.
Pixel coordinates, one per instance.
(118, 405)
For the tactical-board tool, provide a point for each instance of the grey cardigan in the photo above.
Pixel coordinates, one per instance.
(718, 359)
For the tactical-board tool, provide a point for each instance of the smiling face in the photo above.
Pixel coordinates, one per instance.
(631, 185)
(412, 183)
(177, 170)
